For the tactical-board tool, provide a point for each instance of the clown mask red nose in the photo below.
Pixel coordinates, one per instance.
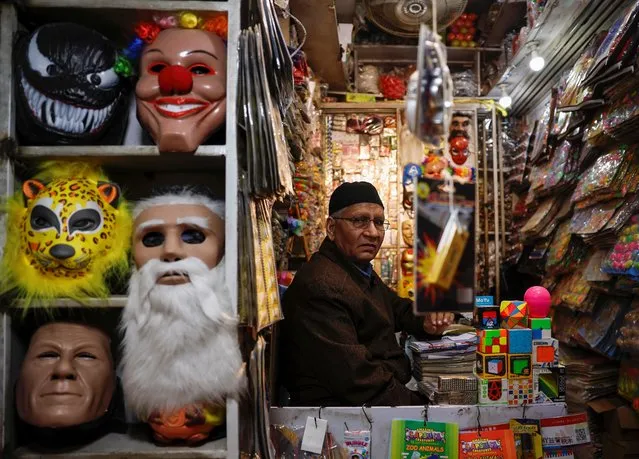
(181, 93)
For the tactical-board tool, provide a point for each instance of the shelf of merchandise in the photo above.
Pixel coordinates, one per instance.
(378, 419)
(115, 16)
(561, 33)
(389, 55)
(117, 301)
(132, 444)
(101, 151)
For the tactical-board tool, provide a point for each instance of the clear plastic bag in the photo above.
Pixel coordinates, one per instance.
(368, 79)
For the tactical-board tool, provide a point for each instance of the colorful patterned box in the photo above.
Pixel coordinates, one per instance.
(491, 365)
(493, 341)
(519, 366)
(520, 391)
(549, 384)
(541, 328)
(486, 317)
(519, 340)
(545, 353)
(493, 391)
(514, 314)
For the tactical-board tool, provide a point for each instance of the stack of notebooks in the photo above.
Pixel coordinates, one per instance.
(444, 369)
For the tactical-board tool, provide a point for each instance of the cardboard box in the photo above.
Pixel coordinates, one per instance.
(491, 365)
(493, 341)
(493, 391)
(549, 384)
(545, 352)
(616, 449)
(620, 421)
(519, 341)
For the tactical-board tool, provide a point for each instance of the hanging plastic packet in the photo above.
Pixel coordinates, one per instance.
(451, 245)
(357, 444)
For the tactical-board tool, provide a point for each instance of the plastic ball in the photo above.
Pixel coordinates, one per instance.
(463, 17)
(464, 30)
(452, 36)
(473, 44)
(472, 16)
(472, 30)
(456, 43)
(454, 29)
(465, 44)
(459, 143)
(538, 300)
(468, 37)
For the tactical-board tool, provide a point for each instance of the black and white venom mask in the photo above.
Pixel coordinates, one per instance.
(66, 88)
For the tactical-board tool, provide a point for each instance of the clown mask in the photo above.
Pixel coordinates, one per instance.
(181, 93)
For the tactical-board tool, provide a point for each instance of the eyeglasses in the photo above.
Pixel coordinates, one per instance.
(364, 222)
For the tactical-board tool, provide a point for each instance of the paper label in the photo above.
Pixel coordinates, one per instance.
(484, 300)
(565, 431)
(314, 434)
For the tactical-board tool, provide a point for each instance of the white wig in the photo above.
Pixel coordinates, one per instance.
(181, 196)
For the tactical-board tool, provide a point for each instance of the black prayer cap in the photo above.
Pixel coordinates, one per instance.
(350, 193)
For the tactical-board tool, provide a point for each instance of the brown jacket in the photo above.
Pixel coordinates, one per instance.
(338, 343)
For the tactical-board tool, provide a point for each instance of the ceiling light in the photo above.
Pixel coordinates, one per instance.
(536, 61)
(505, 100)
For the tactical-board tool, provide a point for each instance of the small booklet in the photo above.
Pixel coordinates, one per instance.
(493, 444)
(416, 439)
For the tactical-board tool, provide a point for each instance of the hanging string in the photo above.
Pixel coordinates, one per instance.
(370, 421)
(525, 405)
(425, 415)
(319, 415)
(478, 422)
(299, 23)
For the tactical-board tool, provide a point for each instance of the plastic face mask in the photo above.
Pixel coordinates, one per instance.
(181, 93)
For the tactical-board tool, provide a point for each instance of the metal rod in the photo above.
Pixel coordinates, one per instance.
(502, 203)
(496, 209)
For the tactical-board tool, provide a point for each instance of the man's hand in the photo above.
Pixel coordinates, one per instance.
(436, 322)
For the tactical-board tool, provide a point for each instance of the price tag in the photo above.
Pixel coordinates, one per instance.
(314, 433)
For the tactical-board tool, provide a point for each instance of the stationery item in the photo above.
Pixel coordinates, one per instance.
(419, 439)
(357, 444)
(493, 444)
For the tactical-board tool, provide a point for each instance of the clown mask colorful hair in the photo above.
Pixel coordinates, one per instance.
(181, 91)
(67, 89)
(66, 230)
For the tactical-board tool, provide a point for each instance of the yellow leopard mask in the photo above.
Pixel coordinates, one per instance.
(66, 231)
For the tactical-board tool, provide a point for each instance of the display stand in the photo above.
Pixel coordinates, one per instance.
(137, 167)
(378, 419)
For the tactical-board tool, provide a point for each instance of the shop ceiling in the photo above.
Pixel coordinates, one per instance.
(561, 33)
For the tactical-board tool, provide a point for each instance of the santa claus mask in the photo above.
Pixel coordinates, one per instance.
(181, 93)
(181, 353)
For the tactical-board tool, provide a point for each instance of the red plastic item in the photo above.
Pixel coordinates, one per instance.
(538, 299)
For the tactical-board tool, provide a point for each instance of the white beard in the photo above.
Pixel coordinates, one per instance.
(180, 341)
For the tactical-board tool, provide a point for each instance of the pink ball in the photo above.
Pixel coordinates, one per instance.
(538, 299)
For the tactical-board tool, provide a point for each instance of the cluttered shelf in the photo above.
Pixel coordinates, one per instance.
(128, 446)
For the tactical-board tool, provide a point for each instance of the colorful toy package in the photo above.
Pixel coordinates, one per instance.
(416, 439)
(493, 444)
(623, 259)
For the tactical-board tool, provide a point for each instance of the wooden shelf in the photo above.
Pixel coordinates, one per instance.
(118, 301)
(389, 54)
(131, 4)
(135, 444)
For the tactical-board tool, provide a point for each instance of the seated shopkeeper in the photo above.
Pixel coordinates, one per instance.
(338, 345)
